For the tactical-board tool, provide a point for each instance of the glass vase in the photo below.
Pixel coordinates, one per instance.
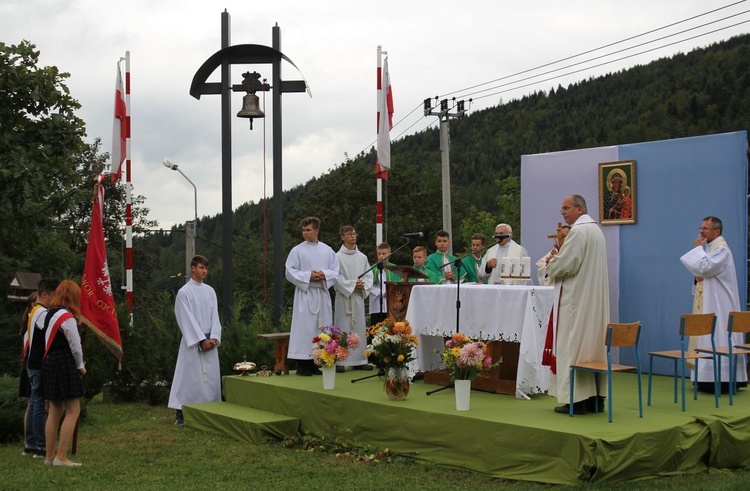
(397, 383)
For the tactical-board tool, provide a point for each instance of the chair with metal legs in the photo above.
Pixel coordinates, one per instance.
(690, 325)
(738, 322)
(618, 336)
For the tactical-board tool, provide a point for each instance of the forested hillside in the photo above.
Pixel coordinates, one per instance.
(702, 92)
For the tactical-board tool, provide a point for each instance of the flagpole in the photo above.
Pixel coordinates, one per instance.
(128, 196)
(379, 181)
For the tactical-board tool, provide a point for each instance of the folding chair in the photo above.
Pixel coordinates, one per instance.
(690, 325)
(618, 336)
(738, 322)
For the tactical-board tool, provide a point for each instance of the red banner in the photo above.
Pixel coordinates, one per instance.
(97, 305)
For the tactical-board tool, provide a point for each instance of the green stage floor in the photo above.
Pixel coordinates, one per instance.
(517, 439)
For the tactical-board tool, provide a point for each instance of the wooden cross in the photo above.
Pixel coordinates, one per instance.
(557, 236)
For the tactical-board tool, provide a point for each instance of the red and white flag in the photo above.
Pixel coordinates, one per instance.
(97, 305)
(385, 122)
(119, 128)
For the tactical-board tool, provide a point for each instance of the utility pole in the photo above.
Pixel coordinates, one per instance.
(445, 147)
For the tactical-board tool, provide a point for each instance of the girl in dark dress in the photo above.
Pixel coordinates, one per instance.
(62, 370)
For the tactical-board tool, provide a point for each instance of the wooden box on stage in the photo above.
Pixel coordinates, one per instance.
(500, 380)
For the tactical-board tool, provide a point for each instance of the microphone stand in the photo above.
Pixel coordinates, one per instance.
(458, 262)
(380, 265)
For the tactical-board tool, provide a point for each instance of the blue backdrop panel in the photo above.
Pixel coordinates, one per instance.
(678, 182)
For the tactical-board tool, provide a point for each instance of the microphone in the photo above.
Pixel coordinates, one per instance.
(414, 234)
(502, 236)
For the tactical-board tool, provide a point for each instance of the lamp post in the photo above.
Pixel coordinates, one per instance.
(189, 225)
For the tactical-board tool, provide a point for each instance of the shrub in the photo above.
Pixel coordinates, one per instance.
(12, 409)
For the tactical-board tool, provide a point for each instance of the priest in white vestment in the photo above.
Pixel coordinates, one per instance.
(489, 270)
(581, 308)
(197, 376)
(351, 291)
(711, 261)
(312, 267)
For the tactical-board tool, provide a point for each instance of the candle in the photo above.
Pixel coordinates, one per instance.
(504, 267)
(515, 267)
(525, 267)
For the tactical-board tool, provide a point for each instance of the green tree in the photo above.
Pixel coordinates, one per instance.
(509, 203)
(41, 142)
(47, 179)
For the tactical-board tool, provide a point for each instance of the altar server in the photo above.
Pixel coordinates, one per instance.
(196, 376)
(312, 267)
(351, 290)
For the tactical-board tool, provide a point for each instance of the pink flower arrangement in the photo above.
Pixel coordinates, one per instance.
(332, 345)
(465, 358)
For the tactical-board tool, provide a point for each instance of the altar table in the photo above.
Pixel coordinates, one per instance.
(509, 313)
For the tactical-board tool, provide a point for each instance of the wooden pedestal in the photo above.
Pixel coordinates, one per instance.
(281, 342)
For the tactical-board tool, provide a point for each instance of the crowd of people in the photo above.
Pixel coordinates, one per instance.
(52, 371)
(576, 267)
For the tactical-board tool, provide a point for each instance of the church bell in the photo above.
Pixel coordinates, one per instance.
(251, 108)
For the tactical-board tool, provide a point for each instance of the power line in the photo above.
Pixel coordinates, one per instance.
(326, 191)
(608, 62)
(594, 49)
(620, 51)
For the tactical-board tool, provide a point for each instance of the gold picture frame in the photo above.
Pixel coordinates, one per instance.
(617, 194)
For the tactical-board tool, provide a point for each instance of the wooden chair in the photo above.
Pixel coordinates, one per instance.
(618, 336)
(738, 322)
(690, 325)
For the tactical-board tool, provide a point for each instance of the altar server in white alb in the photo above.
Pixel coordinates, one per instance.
(351, 291)
(581, 309)
(312, 267)
(715, 290)
(196, 376)
(489, 270)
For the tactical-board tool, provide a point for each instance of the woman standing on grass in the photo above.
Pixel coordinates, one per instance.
(24, 387)
(62, 370)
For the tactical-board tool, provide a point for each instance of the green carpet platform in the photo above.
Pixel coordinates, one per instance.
(499, 435)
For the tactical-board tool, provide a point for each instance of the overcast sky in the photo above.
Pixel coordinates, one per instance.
(434, 48)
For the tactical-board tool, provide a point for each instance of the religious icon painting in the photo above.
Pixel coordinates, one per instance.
(617, 197)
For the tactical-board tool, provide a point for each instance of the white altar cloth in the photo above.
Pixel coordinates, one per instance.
(518, 314)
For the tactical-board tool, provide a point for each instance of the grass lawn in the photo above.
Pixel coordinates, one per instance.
(135, 446)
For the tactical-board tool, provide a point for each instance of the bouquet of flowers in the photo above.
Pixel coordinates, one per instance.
(332, 345)
(465, 358)
(393, 342)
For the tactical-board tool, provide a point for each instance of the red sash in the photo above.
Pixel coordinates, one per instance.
(55, 327)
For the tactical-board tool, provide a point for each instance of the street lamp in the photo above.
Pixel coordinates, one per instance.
(170, 164)
(189, 225)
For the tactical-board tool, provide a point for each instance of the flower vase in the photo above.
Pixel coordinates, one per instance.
(329, 377)
(463, 394)
(397, 383)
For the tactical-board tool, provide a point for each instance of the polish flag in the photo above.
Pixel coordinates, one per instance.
(385, 107)
(119, 129)
(97, 304)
